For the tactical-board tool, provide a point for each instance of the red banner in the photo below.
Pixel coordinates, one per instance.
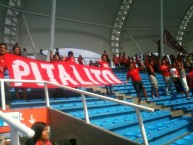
(64, 73)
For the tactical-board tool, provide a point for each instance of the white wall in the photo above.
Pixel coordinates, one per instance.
(67, 34)
(142, 44)
(88, 37)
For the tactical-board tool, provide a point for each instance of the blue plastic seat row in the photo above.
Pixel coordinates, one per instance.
(169, 100)
(132, 119)
(184, 141)
(74, 106)
(166, 127)
(103, 112)
(174, 103)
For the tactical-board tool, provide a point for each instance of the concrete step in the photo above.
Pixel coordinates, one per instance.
(177, 113)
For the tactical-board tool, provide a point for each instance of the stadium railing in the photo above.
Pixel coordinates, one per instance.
(83, 93)
(16, 128)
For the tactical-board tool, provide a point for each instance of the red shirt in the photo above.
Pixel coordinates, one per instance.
(103, 64)
(46, 143)
(80, 60)
(120, 59)
(134, 75)
(125, 60)
(2, 67)
(115, 60)
(69, 59)
(165, 70)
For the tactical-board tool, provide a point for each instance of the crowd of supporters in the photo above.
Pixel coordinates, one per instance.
(174, 69)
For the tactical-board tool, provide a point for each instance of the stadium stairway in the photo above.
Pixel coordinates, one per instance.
(166, 125)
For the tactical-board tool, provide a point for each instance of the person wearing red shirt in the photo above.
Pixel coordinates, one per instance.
(16, 50)
(103, 63)
(165, 71)
(121, 64)
(124, 60)
(3, 49)
(107, 57)
(80, 59)
(41, 136)
(135, 77)
(105, 53)
(3, 68)
(116, 61)
(70, 57)
(176, 78)
(54, 57)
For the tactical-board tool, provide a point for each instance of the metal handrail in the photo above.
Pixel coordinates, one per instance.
(16, 127)
(83, 93)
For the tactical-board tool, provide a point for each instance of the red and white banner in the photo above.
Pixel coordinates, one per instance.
(171, 42)
(64, 73)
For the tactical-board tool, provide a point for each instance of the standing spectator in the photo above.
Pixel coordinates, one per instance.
(3, 50)
(176, 78)
(165, 70)
(91, 63)
(133, 73)
(124, 58)
(57, 52)
(128, 61)
(152, 79)
(103, 63)
(137, 60)
(133, 62)
(41, 136)
(105, 54)
(182, 72)
(116, 61)
(70, 57)
(142, 64)
(107, 57)
(96, 63)
(24, 52)
(80, 59)
(17, 51)
(54, 57)
(62, 58)
(121, 63)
